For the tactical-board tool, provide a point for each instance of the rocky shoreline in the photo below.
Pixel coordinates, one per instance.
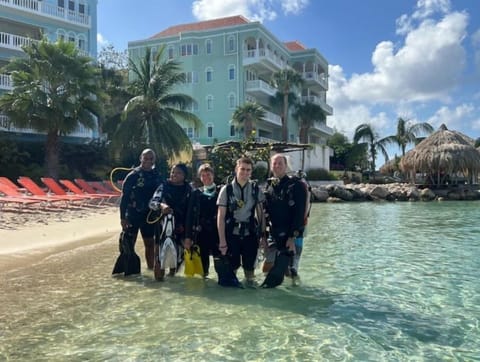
(392, 192)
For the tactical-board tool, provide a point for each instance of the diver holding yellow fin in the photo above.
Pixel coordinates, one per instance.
(201, 235)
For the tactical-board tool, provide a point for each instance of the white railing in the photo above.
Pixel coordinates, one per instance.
(13, 41)
(6, 82)
(265, 54)
(50, 10)
(316, 100)
(319, 78)
(324, 128)
(273, 118)
(259, 84)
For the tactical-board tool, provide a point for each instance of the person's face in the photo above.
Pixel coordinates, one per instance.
(176, 176)
(206, 177)
(278, 167)
(147, 160)
(243, 172)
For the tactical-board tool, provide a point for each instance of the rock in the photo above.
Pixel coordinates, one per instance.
(427, 194)
(320, 195)
(379, 192)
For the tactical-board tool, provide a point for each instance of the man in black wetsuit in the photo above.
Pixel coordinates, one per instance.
(137, 190)
(285, 204)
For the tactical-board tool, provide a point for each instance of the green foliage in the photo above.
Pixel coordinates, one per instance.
(346, 156)
(320, 174)
(224, 156)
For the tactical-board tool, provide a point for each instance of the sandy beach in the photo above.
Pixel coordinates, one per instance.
(31, 235)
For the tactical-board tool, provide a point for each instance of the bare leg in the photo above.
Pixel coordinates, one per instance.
(149, 252)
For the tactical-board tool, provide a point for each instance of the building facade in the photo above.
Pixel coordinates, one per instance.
(230, 61)
(26, 21)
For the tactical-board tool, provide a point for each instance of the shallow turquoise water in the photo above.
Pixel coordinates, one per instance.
(380, 282)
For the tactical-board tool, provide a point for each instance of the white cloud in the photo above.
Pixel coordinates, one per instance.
(476, 50)
(101, 41)
(428, 65)
(256, 10)
(424, 9)
(454, 118)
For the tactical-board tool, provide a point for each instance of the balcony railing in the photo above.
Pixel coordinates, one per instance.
(319, 78)
(273, 118)
(49, 10)
(320, 102)
(257, 55)
(260, 86)
(13, 41)
(324, 128)
(6, 82)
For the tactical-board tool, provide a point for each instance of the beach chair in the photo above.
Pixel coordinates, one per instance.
(78, 191)
(36, 190)
(17, 201)
(86, 187)
(6, 181)
(58, 190)
(15, 192)
(102, 188)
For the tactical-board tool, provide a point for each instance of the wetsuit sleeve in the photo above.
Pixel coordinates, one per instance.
(126, 194)
(190, 218)
(300, 198)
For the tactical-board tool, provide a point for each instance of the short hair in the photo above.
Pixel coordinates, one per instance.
(244, 159)
(206, 167)
(182, 167)
(285, 158)
(147, 151)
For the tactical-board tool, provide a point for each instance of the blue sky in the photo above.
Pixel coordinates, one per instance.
(416, 59)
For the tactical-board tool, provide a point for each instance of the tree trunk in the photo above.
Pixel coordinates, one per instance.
(285, 118)
(51, 154)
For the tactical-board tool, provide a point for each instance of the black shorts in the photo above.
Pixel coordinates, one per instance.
(138, 221)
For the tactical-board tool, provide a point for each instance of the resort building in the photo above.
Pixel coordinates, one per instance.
(231, 61)
(25, 21)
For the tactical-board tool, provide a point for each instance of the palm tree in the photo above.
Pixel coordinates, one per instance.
(408, 133)
(367, 134)
(307, 114)
(55, 91)
(248, 115)
(150, 117)
(286, 81)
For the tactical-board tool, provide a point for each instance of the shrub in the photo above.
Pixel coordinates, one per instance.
(320, 174)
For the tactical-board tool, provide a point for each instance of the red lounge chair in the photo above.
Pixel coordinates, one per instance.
(58, 190)
(36, 190)
(6, 181)
(102, 188)
(78, 191)
(86, 187)
(18, 201)
(15, 192)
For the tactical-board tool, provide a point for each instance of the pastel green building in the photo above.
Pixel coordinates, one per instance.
(230, 61)
(26, 21)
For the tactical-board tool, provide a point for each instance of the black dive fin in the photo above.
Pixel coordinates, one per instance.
(276, 275)
(226, 274)
(128, 262)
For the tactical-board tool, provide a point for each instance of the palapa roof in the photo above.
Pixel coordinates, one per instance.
(443, 151)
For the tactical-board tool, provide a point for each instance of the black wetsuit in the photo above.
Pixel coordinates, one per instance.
(285, 202)
(201, 223)
(137, 190)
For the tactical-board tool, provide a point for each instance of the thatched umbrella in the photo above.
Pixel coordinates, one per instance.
(443, 154)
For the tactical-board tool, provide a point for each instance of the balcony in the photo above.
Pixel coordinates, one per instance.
(272, 118)
(12, 41)
(316, 100)
(6, 82)
(264, 60)
(316, 78)
(323, 128)
(49, 10)
(260, 89)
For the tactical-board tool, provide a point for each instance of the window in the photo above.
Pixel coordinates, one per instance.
(232, 101)
(71, 5)
(209, 75)
(189, 49)
(191, 77)
(81, 44)
(61, 3)
(81, 8)
(209, 130)
(189, 131)
(231, 43)
(171, 52)
(232, 131)
(208, 46)
(209, 102)
(231, 72)
(61, 35)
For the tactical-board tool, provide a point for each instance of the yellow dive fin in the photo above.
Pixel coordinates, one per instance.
(189, 266)
(197, 260)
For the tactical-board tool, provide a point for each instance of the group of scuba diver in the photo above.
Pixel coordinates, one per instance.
(238, 223)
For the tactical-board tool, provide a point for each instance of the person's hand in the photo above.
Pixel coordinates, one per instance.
(187, 243)
(166, 210)
(291, 245)
(223, 249)
(125, 224)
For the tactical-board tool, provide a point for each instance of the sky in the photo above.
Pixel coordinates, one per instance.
(415, 59)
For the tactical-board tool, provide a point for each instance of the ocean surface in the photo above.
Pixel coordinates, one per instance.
(380, 282)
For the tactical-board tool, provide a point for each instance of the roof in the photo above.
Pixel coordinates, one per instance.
(295, 45)
(202, 25)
